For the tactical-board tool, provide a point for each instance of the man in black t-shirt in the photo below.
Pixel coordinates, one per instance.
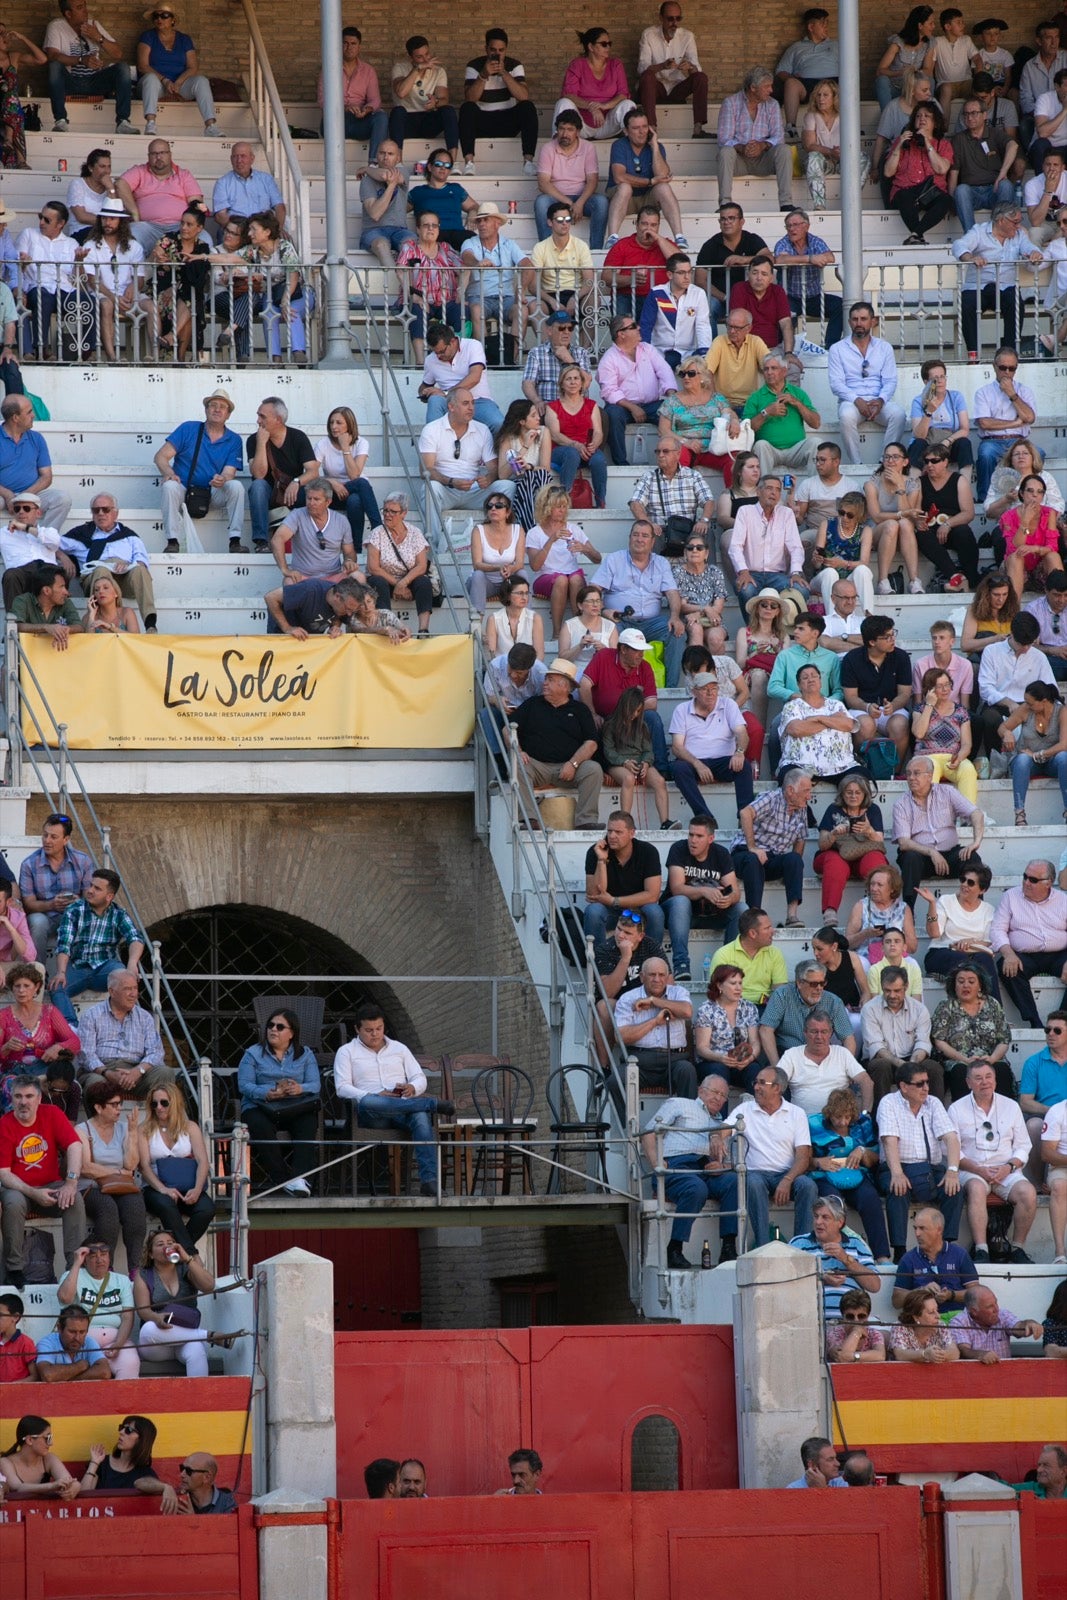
(558, 741)
(622, 873)
(278, 457)
(619, 959)
(876, 686)
(724, 258)
(702, 891)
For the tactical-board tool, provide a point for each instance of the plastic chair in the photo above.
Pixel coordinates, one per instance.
(503, 1096)
(582, 1136)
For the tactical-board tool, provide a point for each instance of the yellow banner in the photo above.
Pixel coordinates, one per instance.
(186, 692)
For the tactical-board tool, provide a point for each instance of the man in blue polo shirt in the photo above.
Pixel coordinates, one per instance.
(69, 1355)
(25, 464)
(944, 1269)
(203, 455)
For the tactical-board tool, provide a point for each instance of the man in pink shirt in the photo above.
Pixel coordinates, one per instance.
(634, 379)
(364, 116)
(156, 193)
(567, 170)
(765, 549)
(943, 638)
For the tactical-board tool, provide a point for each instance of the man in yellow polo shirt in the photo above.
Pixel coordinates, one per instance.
(755, 953)
(564, 264)
(735, 359)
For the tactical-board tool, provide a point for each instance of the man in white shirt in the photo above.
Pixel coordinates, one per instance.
(1050, 118)
(916, 1137)
(25, 545)
(1050, 609)
(1003, 411)
(454, 363)
(778, 1155)
(708, 744)
(669, 70)
(818, 1065)
(862, 372)
(842, 631)
(1004, 672)
(1045, 196)
(105, 541)
(389, 1088)
(765, 549)
(83, 57)
(651, 1022)
(459, 457)
(994, 1150)
(675, 317)
(47, 255)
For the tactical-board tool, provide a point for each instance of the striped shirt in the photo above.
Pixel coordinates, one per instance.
(802, 281)
(774, 827)
(737, 125)
(543, 367)
(920, 1133)
(831, 1293)
(1030, 925)
(89, 939)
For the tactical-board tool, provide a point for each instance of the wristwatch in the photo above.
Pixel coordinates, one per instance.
(953, 1169)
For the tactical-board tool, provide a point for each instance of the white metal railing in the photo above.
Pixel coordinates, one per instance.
(273, 129)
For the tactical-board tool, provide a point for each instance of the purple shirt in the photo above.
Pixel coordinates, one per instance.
(935, 823)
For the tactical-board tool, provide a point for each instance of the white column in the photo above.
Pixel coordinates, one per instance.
(292, 1561)
(848, 31)
(777, 1363)
(982, 1551)
(338, 352)
(296, 1445)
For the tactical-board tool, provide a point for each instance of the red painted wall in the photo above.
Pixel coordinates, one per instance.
(376, 1271)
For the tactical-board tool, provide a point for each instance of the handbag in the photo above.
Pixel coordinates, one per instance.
(115, 1184)
(295, 1102)
(929, 195)
(197, 497)
(177, 1172)
(581, 493)
(433, 571)
(279, 483)
(179, 1313)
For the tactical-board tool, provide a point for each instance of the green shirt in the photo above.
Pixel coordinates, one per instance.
(788, 662)
(27, 608)
(762, 972)
(781, 433)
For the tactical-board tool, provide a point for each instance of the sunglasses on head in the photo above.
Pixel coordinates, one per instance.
(632, 916)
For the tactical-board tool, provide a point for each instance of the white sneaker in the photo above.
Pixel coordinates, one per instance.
(62, 126)
(212, 130)
(529, 169)
(469, 170)
(298, 1186)
(884, 586)
(915, 587)
(125, 126)
(150, 127)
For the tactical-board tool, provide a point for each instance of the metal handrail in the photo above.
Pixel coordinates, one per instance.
(57, 776)
(273, 129)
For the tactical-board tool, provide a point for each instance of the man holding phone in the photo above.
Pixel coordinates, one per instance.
(51, 878)
(497, 103)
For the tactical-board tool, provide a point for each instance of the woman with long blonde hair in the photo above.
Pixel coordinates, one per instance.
(174, 1166)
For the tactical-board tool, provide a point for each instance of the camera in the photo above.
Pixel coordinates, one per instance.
(626, 613)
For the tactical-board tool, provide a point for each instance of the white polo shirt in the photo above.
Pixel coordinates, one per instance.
(992, 1137)
(811, 1081)
(709, 738)
(773, 1137)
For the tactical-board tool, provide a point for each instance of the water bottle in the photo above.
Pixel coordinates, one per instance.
(706, 969)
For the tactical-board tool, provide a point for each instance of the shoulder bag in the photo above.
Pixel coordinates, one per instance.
(676, 528)
(197, 499)
(116, 1183)
(433, 571)
(178, 1313)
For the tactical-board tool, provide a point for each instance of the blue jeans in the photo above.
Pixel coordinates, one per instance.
(819, 306)
(787, 865)
(690, 1188)
(989, 453)
(972, 197)
(485, 411)
(760, 1187)
(596, 209)
(259, 493)
(414, 1115)
(885, 90)
(617, 418)
(394, 237)
(567, 461)
(654, 724)
(763, 580)
(375, 127)
(599, 921)
(112, 80)
(1022, 768)
(673, 647)
(79, 979)
(686, 779)
(681, 918)
(928, 1188)
(360, 505)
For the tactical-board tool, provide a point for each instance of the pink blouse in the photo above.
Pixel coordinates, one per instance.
(53, 1028)
(583, 82)
(1046, 534)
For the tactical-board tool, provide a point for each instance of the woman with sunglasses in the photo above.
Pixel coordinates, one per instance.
(689, 415)
(703, 591)
(107, 1297)
(576, 430)
(941, 728)
(432, 282)
(398, 561)
(770, 616)
(278, 1070)
(588, 631)
(958, 927)
(893, 503)
(944, 521)
(1031, 532)
(498, 550)
(168, 66)
(129, 1465)
(843, 550)
(172, 1155)
(29, 1468)
(513, 622)
(853, 1338)
(969, 1027)
(1020, 458)
(182, 281)
(449, 202)
(595, 86)
(553, 546)
(844, 1151)
(1034, 739)
(109, 1152)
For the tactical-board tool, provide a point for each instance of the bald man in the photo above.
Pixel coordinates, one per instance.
(198, 1495)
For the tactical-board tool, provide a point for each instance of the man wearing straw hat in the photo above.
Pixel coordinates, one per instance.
(557, 741)
(203, 455)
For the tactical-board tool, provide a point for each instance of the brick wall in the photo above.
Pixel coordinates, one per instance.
(462, 1268)
(543, 38)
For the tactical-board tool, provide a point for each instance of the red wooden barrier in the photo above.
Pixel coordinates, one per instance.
(128, 1558)
(1043, 1541)
(959, 1418)
(637, 1547)
(462, 1402)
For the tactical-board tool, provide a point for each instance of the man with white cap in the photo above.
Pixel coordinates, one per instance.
(26, 545)
(708, 741)
(207, 456)
(557, 741)
(615, 671)
(495, 291)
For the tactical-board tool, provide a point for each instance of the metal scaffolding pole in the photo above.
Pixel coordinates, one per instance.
(848, 26)
(338, 350)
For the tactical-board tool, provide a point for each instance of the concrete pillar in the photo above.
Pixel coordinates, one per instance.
(295, 1439)
(982, 1552)
(777, 1362)
(292, 1560)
